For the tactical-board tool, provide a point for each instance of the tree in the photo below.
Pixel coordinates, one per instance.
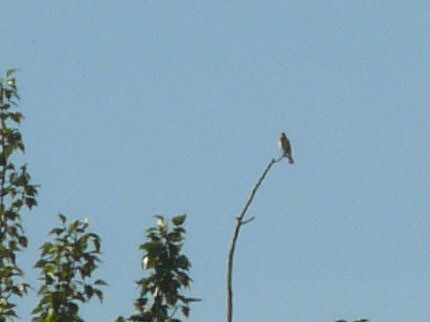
(16, 194)
(161, 293)
(66, 266)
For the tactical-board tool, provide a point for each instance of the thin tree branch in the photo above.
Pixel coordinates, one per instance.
(240, 222)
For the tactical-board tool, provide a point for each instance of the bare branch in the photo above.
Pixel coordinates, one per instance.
(240, 222)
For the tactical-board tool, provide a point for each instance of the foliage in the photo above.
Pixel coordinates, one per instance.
(66, 266)
(16, 193)
(169, 274)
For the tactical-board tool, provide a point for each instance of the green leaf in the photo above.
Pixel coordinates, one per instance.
(23, 241)
(62, 218)
(57, 231)
(185, 310)
(99, 294)
(100, 282)
(8, 151)
(192, 299)
(17, 117)
(120, 319)
(11, 71)
(89, 291)
(7, 93)
(159, 217)
(179, 220)
(30, 202)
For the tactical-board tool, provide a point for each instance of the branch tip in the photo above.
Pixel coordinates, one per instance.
(244, 222)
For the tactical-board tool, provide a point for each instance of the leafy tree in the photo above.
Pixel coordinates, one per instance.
(161, 293)
(66, 266)
(16, 194)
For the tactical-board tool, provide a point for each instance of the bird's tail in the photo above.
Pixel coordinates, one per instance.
(290, 159)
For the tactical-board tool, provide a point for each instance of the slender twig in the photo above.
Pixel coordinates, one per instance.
(240, 222)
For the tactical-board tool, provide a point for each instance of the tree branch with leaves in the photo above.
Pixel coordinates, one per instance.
(161, 293)
(16, 194)
(66, 267)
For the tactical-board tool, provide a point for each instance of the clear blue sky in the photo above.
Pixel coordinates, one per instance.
(136, 108)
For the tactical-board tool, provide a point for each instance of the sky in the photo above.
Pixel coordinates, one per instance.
(138, 108)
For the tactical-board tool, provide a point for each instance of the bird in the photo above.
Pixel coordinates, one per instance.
(285, 146)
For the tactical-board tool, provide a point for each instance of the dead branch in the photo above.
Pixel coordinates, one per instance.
(240, 222)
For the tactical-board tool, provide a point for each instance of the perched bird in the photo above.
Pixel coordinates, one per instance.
(285, 146)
